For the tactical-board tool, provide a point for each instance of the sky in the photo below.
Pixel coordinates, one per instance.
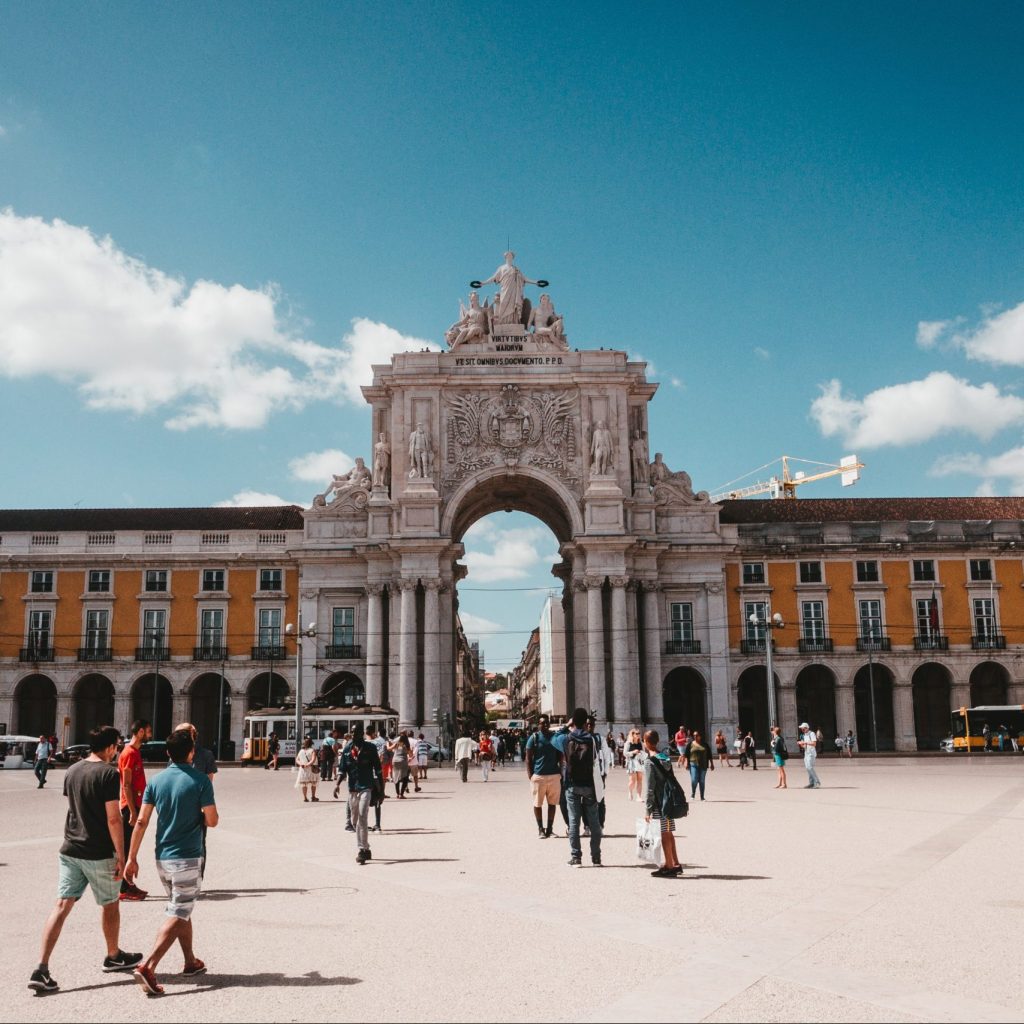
(806, 217)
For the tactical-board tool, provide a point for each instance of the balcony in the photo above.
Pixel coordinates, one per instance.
(815, 645)
(209, 652)
(268, 652)
(988, 642)
(94, 654)
(874, 643)
(682, 647)
(748, 646)
(343, 652)
(152, 653)
(935, 642)
(35, 653)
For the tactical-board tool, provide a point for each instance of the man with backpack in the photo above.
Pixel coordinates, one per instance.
(360, 764)
(584, 786)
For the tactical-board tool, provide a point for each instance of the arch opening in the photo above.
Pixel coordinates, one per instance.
(816, 700)
(210, 710)
(267, 690)
(684, 693)
(342, 690)
(872, 695)
(931, 686)
(92, 706)
(752, 703)
(35, 706)
(158, 714)
(990, 685)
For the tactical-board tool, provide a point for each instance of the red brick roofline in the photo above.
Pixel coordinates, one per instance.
(68, 520)
(871, 510)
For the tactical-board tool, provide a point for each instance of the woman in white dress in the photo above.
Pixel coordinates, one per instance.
(309, 770)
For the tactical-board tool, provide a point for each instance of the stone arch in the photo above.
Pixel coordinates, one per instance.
(35, 706)
(990, 684)
(142, 702)
(816, 700)
(873, 701)
(684, 693)
(752, 702)
(92, 705)
(266, 690)
(212, 722)
(343, 689)
(931, 684)
(526, 490)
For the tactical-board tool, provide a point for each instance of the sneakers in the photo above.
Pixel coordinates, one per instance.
(666, 872)
(548, 833)
(42, 982)
(361, 857)
(196, 967)
(350, 827)
(575, 862)
(147, 979)
(597, 863)
(133, 894)
(122, 962)
(541, 834)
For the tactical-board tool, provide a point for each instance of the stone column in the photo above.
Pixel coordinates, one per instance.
(903, 713)
(407, 656)
(374, 644)
(580, 646)
(123, 712)
(846, 710)
(431, 650)
(787, 715)
(959, 696)
(595, 647)
(622, 683)
(634, 654)
(7, 714)
(652, 647)
(65, 710)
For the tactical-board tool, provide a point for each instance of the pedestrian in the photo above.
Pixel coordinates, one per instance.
(379, 794)
(273, 751)
(360, 764)
(132, 774)
(328, 755)
(819, 738)
(203, 761)
(386, 754)
(92, 855)
(603, 763)
(681, 738)
(585, 787)
(851, 742)
(657, 772)
(611, 747)
(422, 757)
(486, 749)
(699, 759)
(634, 754)
(722, 748)
(740, 746)
(183, 798)
(401, 754)
(779, 755)
(544, 770)
(308, 772)
(498, 746)
(44, 751)
(463, 755)
(808, 742)
(986, 736)
(840, 744)
(750, 748)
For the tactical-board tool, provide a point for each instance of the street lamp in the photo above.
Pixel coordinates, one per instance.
(770, 622)
(297, 635)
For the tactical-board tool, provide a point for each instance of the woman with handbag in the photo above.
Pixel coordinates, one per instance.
(660, 783)
(779, 755)
(634, 753)
(400, 754)
(309, 771)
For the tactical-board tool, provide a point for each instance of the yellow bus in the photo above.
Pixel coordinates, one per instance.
(1006, 729)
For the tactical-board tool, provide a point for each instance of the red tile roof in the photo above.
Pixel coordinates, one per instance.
(827, 510)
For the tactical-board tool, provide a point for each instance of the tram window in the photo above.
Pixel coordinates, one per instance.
(291, 731)
(342, 726)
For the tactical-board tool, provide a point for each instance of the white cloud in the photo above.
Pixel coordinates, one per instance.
(1007, 466)
(930, 331)
(916, 411)
(762, 353)
(75, 307)
(514, 554)
(318, 467)
(653, 372)
(248, 498)
(478, 626)
(997, 339)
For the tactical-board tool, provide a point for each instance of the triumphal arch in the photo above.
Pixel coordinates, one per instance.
(511, 417)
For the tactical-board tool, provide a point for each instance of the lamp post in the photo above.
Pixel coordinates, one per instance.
(220, 712)
(770, 623)
(297, 634)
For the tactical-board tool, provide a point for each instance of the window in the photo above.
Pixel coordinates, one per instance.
(97, 630)
(871, 620)
(270, 627)
(156, 581)
(867, 572)
(753, 572)
(42, 582)
(213, 579)
(755, 630)
(927, 616)
(810, 572)
(99, 581)
(343, 627)
(39, 638)
(981, 569)
(270, 579)
(211, 635)
(154, 628)
(814, 620)
(985, 627)
(682, 622)
(924, 570)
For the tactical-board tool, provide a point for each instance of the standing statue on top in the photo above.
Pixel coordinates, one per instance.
(508, 303)
(602, 450)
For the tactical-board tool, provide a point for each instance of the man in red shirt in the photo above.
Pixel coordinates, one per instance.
(133, 785)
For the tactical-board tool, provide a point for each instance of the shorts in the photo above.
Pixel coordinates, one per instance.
(779, 762)
(421, 761)
(546, 787)
(667, 824)
(98, 875)
(182, 879)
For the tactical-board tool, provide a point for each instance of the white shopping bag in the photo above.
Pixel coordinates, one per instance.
(648, 841)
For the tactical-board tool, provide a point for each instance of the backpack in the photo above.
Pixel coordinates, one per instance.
(781, 749)
(580, 759)
(673, 799)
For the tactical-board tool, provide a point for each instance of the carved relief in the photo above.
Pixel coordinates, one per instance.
(674, 488)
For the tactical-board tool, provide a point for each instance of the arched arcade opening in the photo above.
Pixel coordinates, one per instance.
(210, 710)
(752, 703)
(158, 714)
(266, 690)
(872, 694)
(35, 706)
(990, 685)
(931, 685)
(92, 706)
(685, 701)
(342, 690)
(816, 701)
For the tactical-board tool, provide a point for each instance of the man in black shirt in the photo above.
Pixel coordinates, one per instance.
(92, 855)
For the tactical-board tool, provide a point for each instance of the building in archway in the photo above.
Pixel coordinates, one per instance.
(896, 610)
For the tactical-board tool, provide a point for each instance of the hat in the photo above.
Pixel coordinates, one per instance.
(804, 725)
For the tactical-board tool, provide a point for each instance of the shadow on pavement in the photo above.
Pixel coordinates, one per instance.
(236, 894)
(417, 832)
(265, 980)
(729, 878)
(417, 860)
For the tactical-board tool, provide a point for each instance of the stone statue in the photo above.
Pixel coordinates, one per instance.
(641, 468)
(358, 478)
(673, 488)
(659, 471)
(421, 455)
(381, 462)
(472, 324)
(602, 450)
(508, 303)
(546, 323)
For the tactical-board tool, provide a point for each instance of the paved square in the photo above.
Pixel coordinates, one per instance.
(892, 893)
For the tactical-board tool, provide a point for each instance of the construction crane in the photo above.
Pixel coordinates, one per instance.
(785, 486)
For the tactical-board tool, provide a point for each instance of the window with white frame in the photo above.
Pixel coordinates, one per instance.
(810, 572)
(156, 581)
(867, 572)
(985, 625)
(753, 572)
(682, 621)
(211, 630)
(40, 624)
(154, 629)
(42, 581)
(981, 570)
(97, 629)
(343, 627)
(271, 579)
(213, 579)
(927, 618)
(871, 620)
(756, 630)
(270, 627)
(99, 581)
(813, 620)
(924, 570)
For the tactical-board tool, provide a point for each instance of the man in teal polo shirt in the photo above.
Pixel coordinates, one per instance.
(544, 767)
(183, 798)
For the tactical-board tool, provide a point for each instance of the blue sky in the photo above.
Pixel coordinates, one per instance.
(807, 217)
